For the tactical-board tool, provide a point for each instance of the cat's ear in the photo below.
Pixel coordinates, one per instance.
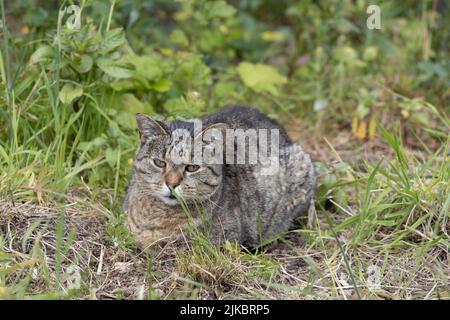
(149, 127)
(211, 132)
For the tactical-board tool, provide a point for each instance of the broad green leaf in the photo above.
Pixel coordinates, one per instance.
(132, 104)
(111, 156)
(362, 110)
(98, 142)
(179, 38)
(83, 63)
(162, 85)
(340, 198)
(219, 9)
(126, 119)
(113, 129)
(260, 77)
(122, 85)
(421, 118)
(225, 88)
(69, 92)
(192, 70)
(114, 68)
(113, 39)
(329, 180)
(44, 54)
(126, 106)
(182, 107)
(148, 67)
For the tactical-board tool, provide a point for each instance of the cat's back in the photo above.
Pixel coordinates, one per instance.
(242, 117)
(274, 194)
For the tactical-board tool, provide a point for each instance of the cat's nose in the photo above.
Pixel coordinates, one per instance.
(172, 180)
(172, 185)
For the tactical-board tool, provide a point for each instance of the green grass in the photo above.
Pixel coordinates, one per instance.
(381, 145)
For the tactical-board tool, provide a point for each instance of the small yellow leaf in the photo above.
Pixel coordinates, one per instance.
(355, 123)
(372, 127)
(224, 29)
(362, 131)
(272, 36)
(24, 30)
(405, 114)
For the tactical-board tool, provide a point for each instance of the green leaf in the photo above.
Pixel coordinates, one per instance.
(69, 92)
(421, 118)
(83, 63)
(148, 67)
(182, 107)
(260, 77)
(346, 25)
(162, 85)
(219, 9)
(179, 37)
(122, 85)
(111, 156)
(98, 142)
(113, 129)
(132, 104)
(362, 110)
(346, 54)
(329, 180)
(114, 68)
(193, 71)
(44, 54)
(370, 53)
(113, 39)
(225, 89)
(341, 199)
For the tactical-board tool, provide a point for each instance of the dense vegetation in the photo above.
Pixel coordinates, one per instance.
(370, 105)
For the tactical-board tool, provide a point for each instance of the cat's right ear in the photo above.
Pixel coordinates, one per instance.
(149, 127)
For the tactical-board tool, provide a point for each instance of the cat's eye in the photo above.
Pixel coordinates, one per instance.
(192, 167)
(159, 163)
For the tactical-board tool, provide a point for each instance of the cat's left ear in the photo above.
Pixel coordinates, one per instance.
(149, 127)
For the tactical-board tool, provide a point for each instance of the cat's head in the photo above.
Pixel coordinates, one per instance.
(165, 163)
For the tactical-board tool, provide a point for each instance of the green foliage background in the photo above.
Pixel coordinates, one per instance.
(189, 58)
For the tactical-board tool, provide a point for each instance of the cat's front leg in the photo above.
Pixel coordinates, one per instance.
(225, 225)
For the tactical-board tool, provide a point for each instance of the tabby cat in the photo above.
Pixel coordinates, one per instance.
(242, 202)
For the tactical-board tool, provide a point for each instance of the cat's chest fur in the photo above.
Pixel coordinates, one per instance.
(151, 220)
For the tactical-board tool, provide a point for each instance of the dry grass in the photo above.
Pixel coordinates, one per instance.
(298, 270)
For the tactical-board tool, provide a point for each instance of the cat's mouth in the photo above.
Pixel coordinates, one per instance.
(170, 200)
(170, 196)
